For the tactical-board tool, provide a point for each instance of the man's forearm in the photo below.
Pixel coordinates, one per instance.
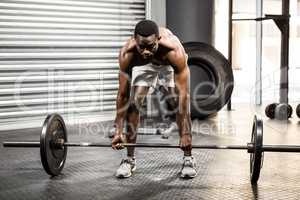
(183, 115)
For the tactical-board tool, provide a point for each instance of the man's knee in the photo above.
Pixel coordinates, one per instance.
(137, 103)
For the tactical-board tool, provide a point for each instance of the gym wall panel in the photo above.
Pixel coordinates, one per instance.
(191, 20)
(61, 56)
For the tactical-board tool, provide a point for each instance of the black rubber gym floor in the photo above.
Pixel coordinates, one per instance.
(222, 174)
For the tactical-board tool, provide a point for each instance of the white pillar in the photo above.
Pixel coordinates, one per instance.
(259, 32)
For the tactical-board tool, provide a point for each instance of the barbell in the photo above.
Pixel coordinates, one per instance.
(54, 144)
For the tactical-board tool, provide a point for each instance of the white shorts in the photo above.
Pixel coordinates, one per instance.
(151, 75)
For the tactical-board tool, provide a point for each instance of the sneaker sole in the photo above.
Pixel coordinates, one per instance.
(187, 176)
(132, 170)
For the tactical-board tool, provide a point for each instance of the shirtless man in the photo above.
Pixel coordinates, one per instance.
(152, 56)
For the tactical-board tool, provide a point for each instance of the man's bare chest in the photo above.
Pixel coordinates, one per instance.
(156, 60)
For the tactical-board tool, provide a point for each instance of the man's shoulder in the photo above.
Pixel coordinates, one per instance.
(127, 50)
(126, 53)
(163, 31)
(168, 39)
(129, 45)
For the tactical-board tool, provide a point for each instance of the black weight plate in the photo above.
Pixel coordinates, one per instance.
(270, 110)
(298, 110)
(256, 155)
(53, 159)
(290, 111)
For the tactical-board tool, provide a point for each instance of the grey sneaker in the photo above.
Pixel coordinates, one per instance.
(188, 167)
(126, 168)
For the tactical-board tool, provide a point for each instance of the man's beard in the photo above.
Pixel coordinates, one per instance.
(147, 57)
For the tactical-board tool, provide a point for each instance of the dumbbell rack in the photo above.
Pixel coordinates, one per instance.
(283, 110)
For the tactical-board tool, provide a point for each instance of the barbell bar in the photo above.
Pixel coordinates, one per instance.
(249, 148)
(53, 146)
(61, 144)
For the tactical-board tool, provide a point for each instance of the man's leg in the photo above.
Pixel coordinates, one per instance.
(136, 102)
(189, 165)
(133, 115)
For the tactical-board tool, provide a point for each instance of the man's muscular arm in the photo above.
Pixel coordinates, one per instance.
(178, 59)
(125, 57)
